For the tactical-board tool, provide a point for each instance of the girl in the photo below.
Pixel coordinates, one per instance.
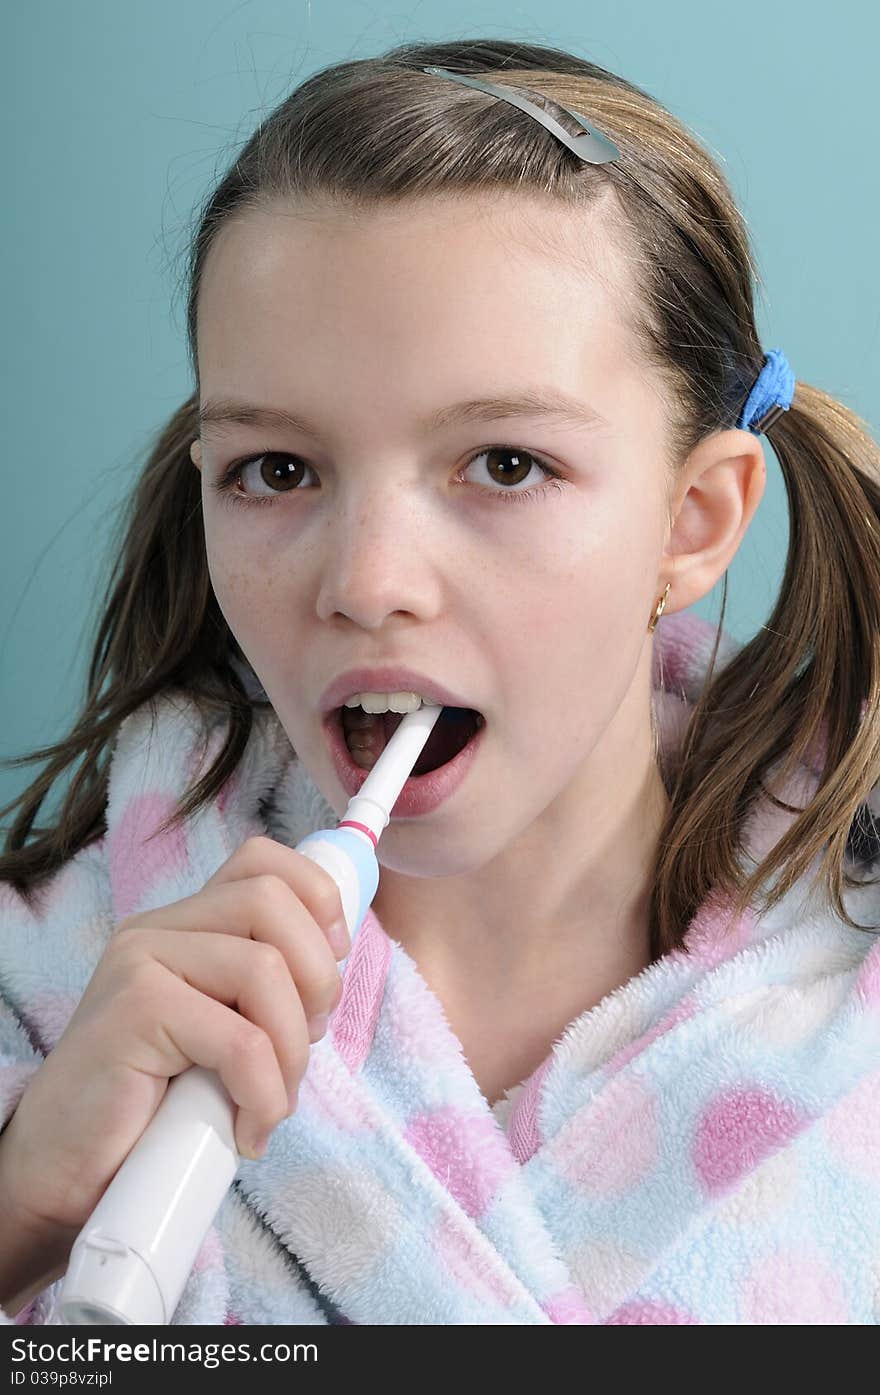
(606, 1048)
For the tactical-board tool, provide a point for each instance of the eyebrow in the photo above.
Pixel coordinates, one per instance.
(218, 412)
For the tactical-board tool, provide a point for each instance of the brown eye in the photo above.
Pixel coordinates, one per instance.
(277, 470)
(508, 474)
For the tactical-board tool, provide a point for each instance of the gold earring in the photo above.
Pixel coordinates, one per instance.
(661, 605)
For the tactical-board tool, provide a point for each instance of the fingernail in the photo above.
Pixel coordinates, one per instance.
(317, 1026)
(259, 1146)
(339, 938)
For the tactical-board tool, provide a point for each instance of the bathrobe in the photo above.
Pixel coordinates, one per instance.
(702, 1146)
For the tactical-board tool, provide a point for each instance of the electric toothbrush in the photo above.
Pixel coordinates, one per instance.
(131, 1260)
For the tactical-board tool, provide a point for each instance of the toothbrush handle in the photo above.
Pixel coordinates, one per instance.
(133, 1256)
(131, 1260)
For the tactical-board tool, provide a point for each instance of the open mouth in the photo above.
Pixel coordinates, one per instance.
(366, 735)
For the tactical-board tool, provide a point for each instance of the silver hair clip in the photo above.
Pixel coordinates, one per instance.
(592, 146)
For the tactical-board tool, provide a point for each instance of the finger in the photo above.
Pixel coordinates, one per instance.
(251, 977)
(262, 908)
(198, 1030)
(312, 884)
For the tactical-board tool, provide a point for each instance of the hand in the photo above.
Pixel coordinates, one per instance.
(228, 978)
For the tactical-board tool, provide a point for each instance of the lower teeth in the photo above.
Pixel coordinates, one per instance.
(363, 736)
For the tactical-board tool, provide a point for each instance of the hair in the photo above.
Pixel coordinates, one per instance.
(371, 133)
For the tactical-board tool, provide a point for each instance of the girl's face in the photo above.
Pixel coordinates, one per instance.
(530, 596)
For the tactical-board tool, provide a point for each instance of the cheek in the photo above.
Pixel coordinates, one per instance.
(250, 563)
(242, 590)
(574, 664)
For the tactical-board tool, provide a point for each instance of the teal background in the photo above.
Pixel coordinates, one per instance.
(117, 118)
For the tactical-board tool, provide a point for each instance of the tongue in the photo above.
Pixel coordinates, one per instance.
(449, 735)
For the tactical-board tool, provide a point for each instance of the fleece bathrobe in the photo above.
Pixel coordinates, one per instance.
(702, 1146)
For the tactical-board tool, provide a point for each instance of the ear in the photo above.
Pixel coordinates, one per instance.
(714, 499)
(195, 453)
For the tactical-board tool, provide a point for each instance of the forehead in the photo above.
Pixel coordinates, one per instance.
(432, 292)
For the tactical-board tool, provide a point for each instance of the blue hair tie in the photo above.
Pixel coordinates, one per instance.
(771, 394)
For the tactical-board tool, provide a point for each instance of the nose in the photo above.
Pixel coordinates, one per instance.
(376, 559)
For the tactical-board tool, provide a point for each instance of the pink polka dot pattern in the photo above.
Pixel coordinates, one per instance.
(568, 1308)
(715, 935)
(795, 1287)
(620, 1146)
(737, 1130)
(852, 1128)
(465, 1152)
(135, 864)
(645, 1313)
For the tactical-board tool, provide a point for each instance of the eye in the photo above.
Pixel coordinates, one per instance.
(279, 468)
(524, 464)
(272, 468)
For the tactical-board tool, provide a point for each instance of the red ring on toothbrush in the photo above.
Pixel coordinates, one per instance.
(352, 823)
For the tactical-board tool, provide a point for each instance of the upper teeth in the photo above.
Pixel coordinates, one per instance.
(385, 702)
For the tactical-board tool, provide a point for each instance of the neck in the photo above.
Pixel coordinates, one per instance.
(515, 934)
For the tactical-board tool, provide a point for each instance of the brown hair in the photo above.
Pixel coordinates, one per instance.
(371, 132)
